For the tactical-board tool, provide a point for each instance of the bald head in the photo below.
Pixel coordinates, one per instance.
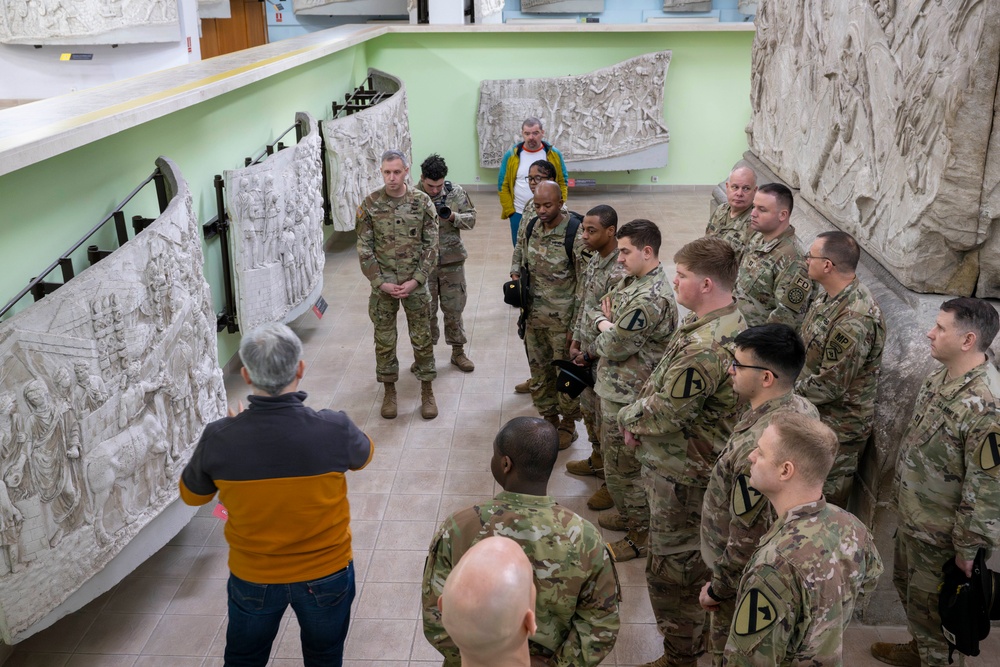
(488, 602)
(548, 202)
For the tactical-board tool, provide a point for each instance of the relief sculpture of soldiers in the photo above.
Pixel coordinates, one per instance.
(105, 386)
(276, 208)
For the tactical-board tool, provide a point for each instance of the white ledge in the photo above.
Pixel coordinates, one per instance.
(39, 130)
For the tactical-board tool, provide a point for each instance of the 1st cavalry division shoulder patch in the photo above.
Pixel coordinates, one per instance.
(755, 613)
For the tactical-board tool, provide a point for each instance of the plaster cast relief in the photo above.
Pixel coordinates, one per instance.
(611, 112)
(880, 112)
(354, 147)
(687, 5)
(486, 8)
(88, 21)
(555, 6)
(105, 386)
(747, 7)
(276, 212)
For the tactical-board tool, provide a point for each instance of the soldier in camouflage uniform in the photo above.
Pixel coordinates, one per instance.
(635, 322)
(801, 585)
(552, 305)
(447, 283)
(578, 593)
(773, 283)
(398, 248)
(844, 333)
(947, 475)
(735, 515)
(680, 422)
(600, 274)
(730, 221)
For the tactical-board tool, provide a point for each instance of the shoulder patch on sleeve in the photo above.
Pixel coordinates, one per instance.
(804, 283)
(745, 497)
(796, 295)
(689, 383)
(754, 613)
(634, 321)
(989, 453)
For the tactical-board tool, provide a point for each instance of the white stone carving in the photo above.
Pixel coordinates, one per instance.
(485, 8)
(354, 147)
(561, 6)
(687, 5)
(350, 7)
(276, 212)
(88, 21)
(747, 7)
(881, 113)
(607, 119)
(98, 386)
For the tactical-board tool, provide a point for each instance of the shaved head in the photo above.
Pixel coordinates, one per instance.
(488, 601)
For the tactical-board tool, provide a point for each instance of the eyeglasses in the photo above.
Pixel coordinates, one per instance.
(736, 364)
(534, 179)
(808, 257)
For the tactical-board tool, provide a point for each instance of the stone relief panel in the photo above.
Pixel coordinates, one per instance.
(880, 112)
(556, 6)
(276, 212)
(354, 147)
(989, 274)
(614, 112)
(486, 8)
(350, 7)
(747, 7)
(88, 21)
(687, 5)
(105, 386)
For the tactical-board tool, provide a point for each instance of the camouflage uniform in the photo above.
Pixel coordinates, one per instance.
(773, 285)
(645, 316)
(735, 515)
(683, 416)
(529, 213)
(735, 231)
(552, 311)
(578, 594)
(397, 241)
(447, 282)
(800, 588)
(844, 336)
(949, 494)
(600, 275)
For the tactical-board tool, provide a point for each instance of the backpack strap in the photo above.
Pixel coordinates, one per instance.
(572, 227)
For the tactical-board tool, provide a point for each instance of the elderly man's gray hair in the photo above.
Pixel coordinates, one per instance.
(271, 355)
(393, 154)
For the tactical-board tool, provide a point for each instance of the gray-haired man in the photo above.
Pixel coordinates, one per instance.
(278, 467)
(397, 230)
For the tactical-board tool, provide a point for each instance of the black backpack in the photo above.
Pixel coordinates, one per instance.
(572, 227)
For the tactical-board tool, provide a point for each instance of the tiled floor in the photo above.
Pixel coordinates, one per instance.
(172, 610)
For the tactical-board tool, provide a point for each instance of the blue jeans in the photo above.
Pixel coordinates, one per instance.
(515, 222)
(322, 607)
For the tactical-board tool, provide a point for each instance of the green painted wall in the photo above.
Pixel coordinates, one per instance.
(49, 205)
(707, 91)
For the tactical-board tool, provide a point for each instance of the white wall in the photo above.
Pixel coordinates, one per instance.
(33, 74)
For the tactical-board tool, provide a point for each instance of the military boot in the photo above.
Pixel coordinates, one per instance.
(601, 500)
(633, 545)
(428, 408)
(616, 521)
(524, 388)
(389, 401)
(904, 655)
(592, 465)
(567, 432)
(459, 359)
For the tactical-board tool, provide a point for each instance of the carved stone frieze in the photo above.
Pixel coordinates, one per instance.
(687, 5)
(88, 21)
(557, 6)
(881, 113)
(354, 147)
(486, 8)
(276, 211)
(747, 7)
(607, 119)
(105, 386)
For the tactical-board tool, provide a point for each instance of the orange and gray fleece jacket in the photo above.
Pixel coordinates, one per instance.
(278, 468)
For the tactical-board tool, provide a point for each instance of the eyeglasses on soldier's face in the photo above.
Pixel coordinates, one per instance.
(534, 179)
(737, 365)
(808, 257)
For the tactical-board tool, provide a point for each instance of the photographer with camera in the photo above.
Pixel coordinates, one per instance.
(455, 212)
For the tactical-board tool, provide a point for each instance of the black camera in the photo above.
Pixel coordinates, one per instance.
(443, 210)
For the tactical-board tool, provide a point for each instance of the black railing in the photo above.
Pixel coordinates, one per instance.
(361, 98)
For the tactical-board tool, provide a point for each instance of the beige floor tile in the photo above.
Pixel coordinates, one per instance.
(62, 637)
(465, 482)
(118, 633)
(37, 660)
(367, 506)
(407, 535)
(183, 635)
(398, 566)
(167, 661)
(380, 639)
(143, 595)
(426, 458)
(475, 460)
(211, 563)
(414, 507)
(85, 660)
(199, 596)
(389, 600)
(418, 481)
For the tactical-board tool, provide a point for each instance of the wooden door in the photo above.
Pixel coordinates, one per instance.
(247, 27)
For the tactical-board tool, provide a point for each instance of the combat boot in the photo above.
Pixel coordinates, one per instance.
(459, 359)
(633, 545)
(567, 432)
(592, 465)
(524, 388)
(428, 407)
(389, 401)
(601, 500)
(904, 655)
(616, 521)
